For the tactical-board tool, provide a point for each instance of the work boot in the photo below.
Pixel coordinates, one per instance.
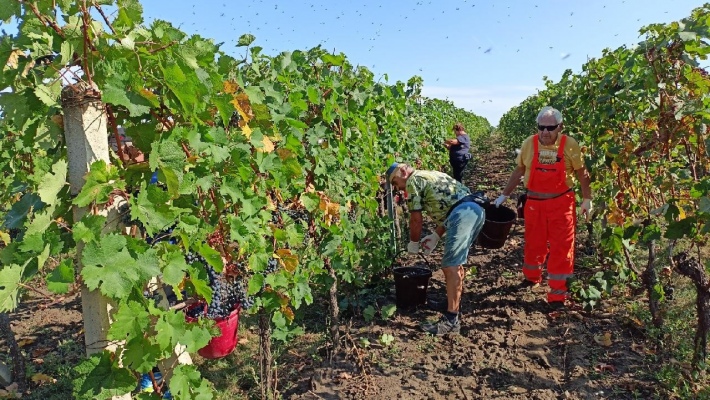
(527, 284)
(443, 327)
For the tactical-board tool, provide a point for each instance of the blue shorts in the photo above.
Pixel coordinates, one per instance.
(462, 227)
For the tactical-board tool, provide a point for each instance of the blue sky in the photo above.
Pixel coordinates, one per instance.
(485, 56)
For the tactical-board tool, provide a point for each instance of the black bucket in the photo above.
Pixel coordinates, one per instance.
(495, 230)
(410, 285)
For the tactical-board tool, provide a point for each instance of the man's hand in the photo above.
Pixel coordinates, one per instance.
(500, 200)
(430, 242)
(413, 247)
(586, 208)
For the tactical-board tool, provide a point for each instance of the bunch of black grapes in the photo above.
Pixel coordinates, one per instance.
(296, 214)
(227, 293)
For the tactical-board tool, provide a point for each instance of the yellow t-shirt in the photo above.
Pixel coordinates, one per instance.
(548, 155)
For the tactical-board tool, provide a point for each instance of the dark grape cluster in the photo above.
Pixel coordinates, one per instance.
(14, 233)
(227, 295)
(669, 291)
(298, 215)
(125, 212)
(276, 217)
(271, 266)
(227, 292)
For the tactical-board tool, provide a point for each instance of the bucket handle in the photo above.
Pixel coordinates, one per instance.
(426, 261)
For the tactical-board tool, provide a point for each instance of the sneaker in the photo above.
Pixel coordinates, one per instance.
(443, 327)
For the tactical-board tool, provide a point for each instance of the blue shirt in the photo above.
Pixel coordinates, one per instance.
(460, 151)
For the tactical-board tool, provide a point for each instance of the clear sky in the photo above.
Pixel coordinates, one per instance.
(485, 56)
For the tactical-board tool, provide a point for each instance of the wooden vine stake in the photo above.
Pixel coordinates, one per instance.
(87, 142)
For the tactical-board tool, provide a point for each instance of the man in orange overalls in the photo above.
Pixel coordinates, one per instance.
(548, 162)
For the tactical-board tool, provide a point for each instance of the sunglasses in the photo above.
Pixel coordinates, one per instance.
(549, 128)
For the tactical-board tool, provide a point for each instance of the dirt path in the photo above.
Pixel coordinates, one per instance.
(511, 346)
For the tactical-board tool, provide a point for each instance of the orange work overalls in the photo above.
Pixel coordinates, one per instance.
(550, 220)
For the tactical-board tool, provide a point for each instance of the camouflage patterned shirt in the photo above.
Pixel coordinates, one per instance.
(434, 193)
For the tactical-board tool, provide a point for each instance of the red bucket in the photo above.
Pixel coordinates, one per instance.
(224, 344)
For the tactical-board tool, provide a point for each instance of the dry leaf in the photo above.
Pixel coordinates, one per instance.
(10, 392)
(284, 153)
(243, 341)
(287, 259)
(246, 130)
(39, 352)
(601, 367)
(344, 376)
(230, 87)
(25, 342)
(268, 145)
(603, 340)
(42, 378)
(288, 313)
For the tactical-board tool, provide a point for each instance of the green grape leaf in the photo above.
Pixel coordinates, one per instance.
(140, 355)
(369, 313)
(115, 92)
(150, 207)
(9, 9)
(129, 322)
(52, 183)
(187, 383)
(49, 94)
(388, 311)
(311, 201)
(196, 337)
(62, 277)
(212, 256)
(99, 379)
(174, 267)
(109, 266)
(18, 213)
(10, 277)
(175, 330)
(167, 155)
(256, 283)
(130, 14)
(678, 229)
(198, 278)
(255, 94)
(89, 228)
(245, 40)
(101, 180)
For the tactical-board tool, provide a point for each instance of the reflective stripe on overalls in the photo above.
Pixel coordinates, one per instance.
(549, 224)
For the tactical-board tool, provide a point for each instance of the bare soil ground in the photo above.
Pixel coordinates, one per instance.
(511, 345)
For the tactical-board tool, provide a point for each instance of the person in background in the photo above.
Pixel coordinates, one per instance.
(547, 163)
(459, 151)
(455, 212)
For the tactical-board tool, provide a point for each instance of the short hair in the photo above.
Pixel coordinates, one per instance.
(458, 127)
(547, 110)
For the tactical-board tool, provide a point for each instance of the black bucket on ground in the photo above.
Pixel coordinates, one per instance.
(410, 285)
(495, 230)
